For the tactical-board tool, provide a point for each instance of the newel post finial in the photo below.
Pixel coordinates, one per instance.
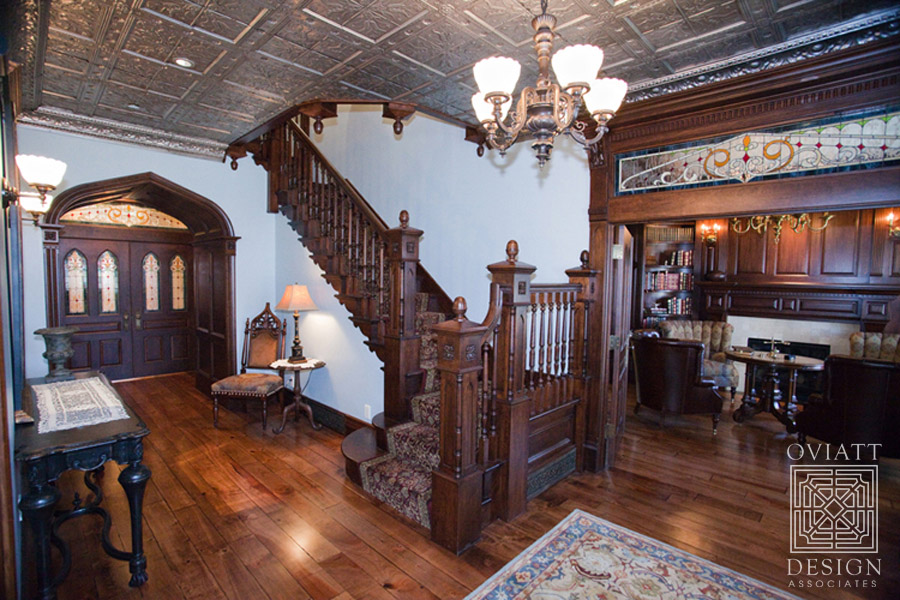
(585, 259)
(460, 308)
(404, 219)
(512, 251)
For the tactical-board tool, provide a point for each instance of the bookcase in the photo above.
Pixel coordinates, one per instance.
(665, 274)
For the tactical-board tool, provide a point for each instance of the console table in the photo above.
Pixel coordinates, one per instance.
(43, 457)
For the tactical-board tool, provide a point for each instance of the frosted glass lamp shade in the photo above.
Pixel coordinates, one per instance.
(40, 171)
(296, 298)
(31, 202)
(577, 64)
(497, 74)
(606, 96)
(484, 110)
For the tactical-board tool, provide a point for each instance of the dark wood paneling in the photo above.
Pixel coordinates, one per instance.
(791, 255)
(841, 244)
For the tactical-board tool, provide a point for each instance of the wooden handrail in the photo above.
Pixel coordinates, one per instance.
(351, 191)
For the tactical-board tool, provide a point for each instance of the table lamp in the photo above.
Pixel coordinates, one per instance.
(296, 298)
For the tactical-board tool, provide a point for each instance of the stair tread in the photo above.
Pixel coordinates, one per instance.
(402, 486)
(416, 444)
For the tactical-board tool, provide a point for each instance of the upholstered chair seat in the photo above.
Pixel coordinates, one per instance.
(249, 384)
(877, 346)
(716, 338)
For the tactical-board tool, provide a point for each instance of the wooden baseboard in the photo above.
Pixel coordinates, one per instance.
(334, 419)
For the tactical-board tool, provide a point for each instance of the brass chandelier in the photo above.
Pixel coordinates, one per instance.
(548, 109)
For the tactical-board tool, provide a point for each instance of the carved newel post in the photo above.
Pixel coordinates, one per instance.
(586, 359)
(456, 483)
(513, 399)
(59, 349)
(401, 339)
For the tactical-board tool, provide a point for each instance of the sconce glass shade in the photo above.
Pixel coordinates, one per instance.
(497, 74)
(40, 171)
(577, 64)
(31, 202)
(484, 110)
(296, 298)
(606, 95)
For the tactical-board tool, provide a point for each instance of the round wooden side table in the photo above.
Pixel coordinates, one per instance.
(283, 366)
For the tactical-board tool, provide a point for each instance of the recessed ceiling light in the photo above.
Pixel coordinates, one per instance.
(134, 106)
(184, 62)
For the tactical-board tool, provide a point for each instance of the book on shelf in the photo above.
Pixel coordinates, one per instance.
(678, 258)
(662, 280)
(670, 234)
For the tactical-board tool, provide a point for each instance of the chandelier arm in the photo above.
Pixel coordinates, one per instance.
(564, 108)
(827, 217)
(577, 134)
(517, 117)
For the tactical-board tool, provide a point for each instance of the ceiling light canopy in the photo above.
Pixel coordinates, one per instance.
(548, 109)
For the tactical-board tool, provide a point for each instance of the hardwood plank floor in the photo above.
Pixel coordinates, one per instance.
(238, 513)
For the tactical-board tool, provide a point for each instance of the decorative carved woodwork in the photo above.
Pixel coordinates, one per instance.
(213, 243)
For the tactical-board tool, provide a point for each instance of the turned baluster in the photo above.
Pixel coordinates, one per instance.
(557, 309)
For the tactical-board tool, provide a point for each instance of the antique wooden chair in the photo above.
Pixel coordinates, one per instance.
(263, 345)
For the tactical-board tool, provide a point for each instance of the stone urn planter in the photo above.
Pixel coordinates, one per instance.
(59, 349)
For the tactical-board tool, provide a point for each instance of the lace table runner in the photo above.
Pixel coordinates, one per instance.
(78, 403)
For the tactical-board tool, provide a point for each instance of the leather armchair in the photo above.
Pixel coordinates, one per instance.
(861, 405)
(716, 338)
(668, 377)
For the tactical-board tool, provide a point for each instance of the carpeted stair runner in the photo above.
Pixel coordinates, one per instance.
(402, 477)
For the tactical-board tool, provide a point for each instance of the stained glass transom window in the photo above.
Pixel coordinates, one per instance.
(861, 142)
(108, 281)
(122, 214)
(178, 269)
(76, 283)
(150, 266)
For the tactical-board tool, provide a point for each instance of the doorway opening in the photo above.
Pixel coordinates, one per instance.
(145, 269)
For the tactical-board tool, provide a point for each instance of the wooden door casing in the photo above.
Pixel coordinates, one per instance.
(620, 319)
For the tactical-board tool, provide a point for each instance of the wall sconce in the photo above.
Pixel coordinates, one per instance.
(43, 174)
(709, 235)
(760, 223)
(893, 230)
(35, 205)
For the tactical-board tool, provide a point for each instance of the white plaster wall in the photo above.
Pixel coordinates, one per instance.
(242, 194)
(836, 335)
(469, 207)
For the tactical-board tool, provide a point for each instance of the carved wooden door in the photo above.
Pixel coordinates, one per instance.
(93, 298)
(619, 334)
(132, 301)
(161, 332)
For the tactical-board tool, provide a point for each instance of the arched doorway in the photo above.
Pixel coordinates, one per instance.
(145, 268)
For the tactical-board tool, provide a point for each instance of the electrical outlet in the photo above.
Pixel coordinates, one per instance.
(367, 411)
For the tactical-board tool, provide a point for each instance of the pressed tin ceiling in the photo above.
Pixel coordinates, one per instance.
(106, 67)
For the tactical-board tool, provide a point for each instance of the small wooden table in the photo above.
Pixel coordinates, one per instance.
(45, 456)
(284, 365)
(770, 398)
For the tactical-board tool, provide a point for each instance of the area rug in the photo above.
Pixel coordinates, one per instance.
(585, 557)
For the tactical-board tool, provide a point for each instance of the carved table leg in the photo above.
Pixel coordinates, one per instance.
(37, 509)
(133, 480)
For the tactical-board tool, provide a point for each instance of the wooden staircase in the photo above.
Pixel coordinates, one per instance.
(478, 417)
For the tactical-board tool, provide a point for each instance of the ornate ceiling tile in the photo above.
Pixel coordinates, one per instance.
(382, 17)
(80, 20)
(303, 30)
(297, 56)
(657, 16)
(338, 11)
(61, 43)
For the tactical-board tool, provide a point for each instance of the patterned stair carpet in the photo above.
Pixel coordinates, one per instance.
(584, 557)
(402, 477)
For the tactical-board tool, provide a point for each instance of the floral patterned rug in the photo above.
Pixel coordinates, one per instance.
(585, 557)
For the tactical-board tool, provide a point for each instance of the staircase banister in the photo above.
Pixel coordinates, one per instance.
(552, 288)
(495, 311)
(364, 207)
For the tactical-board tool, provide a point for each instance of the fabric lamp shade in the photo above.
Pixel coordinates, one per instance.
(40, 171)
(295, 299)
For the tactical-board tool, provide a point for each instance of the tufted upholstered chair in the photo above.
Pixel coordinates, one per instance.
(716, 338)
(879, 346)
(263, 345)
